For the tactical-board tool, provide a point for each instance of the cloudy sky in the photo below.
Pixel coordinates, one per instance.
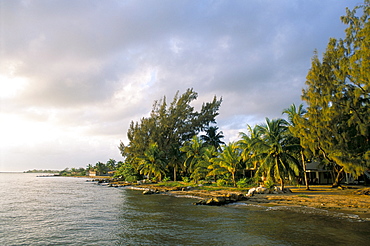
(74, 74)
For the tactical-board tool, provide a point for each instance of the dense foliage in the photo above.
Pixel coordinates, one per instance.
(168, 128)
(177, 141)
(335, 127)
(337, 123)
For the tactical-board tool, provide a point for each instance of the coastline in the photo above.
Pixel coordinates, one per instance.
(319, 197)
(349, 200)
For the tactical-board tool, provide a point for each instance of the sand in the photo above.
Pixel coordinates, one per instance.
(343, 200)
(323, 197)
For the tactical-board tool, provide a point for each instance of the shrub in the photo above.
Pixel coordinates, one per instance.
(186, 179)
(269, 184)
(221, 182)
(166, 179)
(242, 183)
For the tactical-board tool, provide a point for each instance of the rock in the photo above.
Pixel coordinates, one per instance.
(277, 190)
(221, 200)
(187, 188)
(216, 201)
(261, 190)
(201, 202)
(241, 197)
(232, 197)
(148, 192)
(267, 191)
(251, 192)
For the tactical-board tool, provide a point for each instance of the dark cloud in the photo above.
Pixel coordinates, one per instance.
(90, 67)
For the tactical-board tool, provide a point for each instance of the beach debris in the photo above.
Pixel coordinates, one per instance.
(364, 191)
(150, 191)
(264, 190)
(222, 200)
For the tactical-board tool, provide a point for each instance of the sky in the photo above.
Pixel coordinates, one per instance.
(74, 74)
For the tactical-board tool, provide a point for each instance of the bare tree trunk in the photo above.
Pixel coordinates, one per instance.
(305, 171)
(338, 178)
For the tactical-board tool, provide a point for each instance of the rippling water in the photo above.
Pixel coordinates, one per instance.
(69, 211)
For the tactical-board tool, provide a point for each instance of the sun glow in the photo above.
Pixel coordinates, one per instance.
(11, 86)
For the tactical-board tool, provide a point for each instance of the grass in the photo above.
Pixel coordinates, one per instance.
(174, 184)
(208, 187)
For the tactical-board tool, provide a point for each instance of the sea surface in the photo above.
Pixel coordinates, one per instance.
(70, 211)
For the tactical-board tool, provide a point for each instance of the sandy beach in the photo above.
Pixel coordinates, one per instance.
(348, 199)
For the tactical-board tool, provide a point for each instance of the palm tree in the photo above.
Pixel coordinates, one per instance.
(89, 167)
(274, 152)
(212, 137)
(111, 164)
(175, 161)
(194, 151)
(230, 159)
(294, 115)
(100, 168)
(246, 145)
(201, 168)
(152, 162)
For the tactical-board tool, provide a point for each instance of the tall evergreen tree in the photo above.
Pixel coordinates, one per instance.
(337, 122)
(169, 126)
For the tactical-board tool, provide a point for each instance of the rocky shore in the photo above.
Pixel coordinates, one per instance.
(345, 199)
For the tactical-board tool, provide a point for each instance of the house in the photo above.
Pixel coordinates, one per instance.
(111, 173)
(362, 179)
(317, 174)
(91, 173)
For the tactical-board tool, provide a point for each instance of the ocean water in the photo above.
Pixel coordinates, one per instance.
(70, 211)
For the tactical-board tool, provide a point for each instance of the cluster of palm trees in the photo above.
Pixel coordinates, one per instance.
(269, 151)
(103, 168)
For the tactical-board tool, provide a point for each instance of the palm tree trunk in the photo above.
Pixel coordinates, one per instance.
(282, 184)
(174, 173)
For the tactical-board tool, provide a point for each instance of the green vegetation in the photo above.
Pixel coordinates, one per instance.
(178, 143)
(334, 128)
(99, 169)
(41, 171)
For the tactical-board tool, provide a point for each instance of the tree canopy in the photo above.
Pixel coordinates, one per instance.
(337, 123)
(169, 126)
(334, 128)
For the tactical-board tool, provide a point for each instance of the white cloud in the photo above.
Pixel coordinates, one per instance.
(74, 74)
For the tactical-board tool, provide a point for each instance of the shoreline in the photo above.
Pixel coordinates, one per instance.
(348, 199)
(344, 201)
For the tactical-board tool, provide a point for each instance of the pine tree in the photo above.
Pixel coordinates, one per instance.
(337, 122)
(169, 126)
